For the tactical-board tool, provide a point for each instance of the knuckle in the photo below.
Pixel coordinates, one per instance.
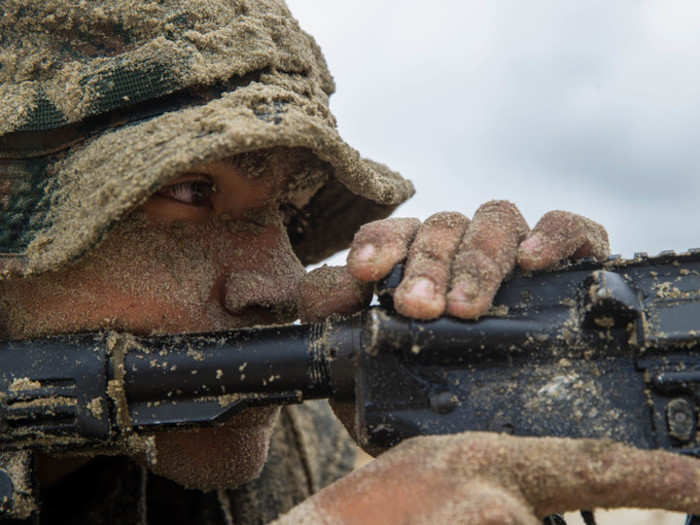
(561, 221)
(500, 216)
(426, 253)
(596, 228)
(438, 239)
(558, 214)
(386, 230)
(477, 263)
(369, 230)
(501, 206)
(447, 220)
(572, 231)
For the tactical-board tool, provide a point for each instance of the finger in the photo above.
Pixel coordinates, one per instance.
(331, 289)
(559, 474)
(560, 235)
(485, 256)
(421, 294)
(592, 473)
(379, 245)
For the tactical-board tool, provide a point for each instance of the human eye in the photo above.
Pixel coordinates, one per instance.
(193, 192)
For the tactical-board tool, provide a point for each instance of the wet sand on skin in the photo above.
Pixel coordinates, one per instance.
(603, 517)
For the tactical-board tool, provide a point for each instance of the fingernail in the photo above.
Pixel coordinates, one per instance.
(464, 292)
(423, 288)
(365, 253)
(465, 301)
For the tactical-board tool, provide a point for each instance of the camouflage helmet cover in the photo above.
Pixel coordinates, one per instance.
(104, 101)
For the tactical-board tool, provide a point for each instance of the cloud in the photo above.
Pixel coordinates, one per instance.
(590, 106)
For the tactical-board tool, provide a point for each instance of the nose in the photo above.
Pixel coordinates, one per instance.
(266, 289)
(253, 294)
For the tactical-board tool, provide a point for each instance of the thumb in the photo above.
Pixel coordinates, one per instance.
(331, 290)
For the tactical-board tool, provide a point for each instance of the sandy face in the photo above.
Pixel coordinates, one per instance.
(154, 278)
(220, 271)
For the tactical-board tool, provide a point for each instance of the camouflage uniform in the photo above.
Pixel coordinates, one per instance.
(105, 101)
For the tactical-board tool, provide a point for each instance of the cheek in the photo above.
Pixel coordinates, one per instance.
(136, 280)
(178, 283)
(154, 280)
(148, 279)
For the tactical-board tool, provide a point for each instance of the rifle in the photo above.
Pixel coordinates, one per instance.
(592, 350)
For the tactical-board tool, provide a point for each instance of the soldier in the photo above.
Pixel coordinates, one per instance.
(169, 167)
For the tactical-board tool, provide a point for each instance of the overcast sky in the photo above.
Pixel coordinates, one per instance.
(589, 106)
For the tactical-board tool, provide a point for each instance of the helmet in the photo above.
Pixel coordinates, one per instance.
(104, 101)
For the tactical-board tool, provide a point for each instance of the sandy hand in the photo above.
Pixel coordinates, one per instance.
(331, 289)
(455, 266)
(489, 479)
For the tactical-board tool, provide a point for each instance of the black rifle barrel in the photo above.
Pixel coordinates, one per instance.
(198, 379)
(92, 389)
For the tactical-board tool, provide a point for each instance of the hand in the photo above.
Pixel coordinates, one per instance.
(453, 265)
(490, 479)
